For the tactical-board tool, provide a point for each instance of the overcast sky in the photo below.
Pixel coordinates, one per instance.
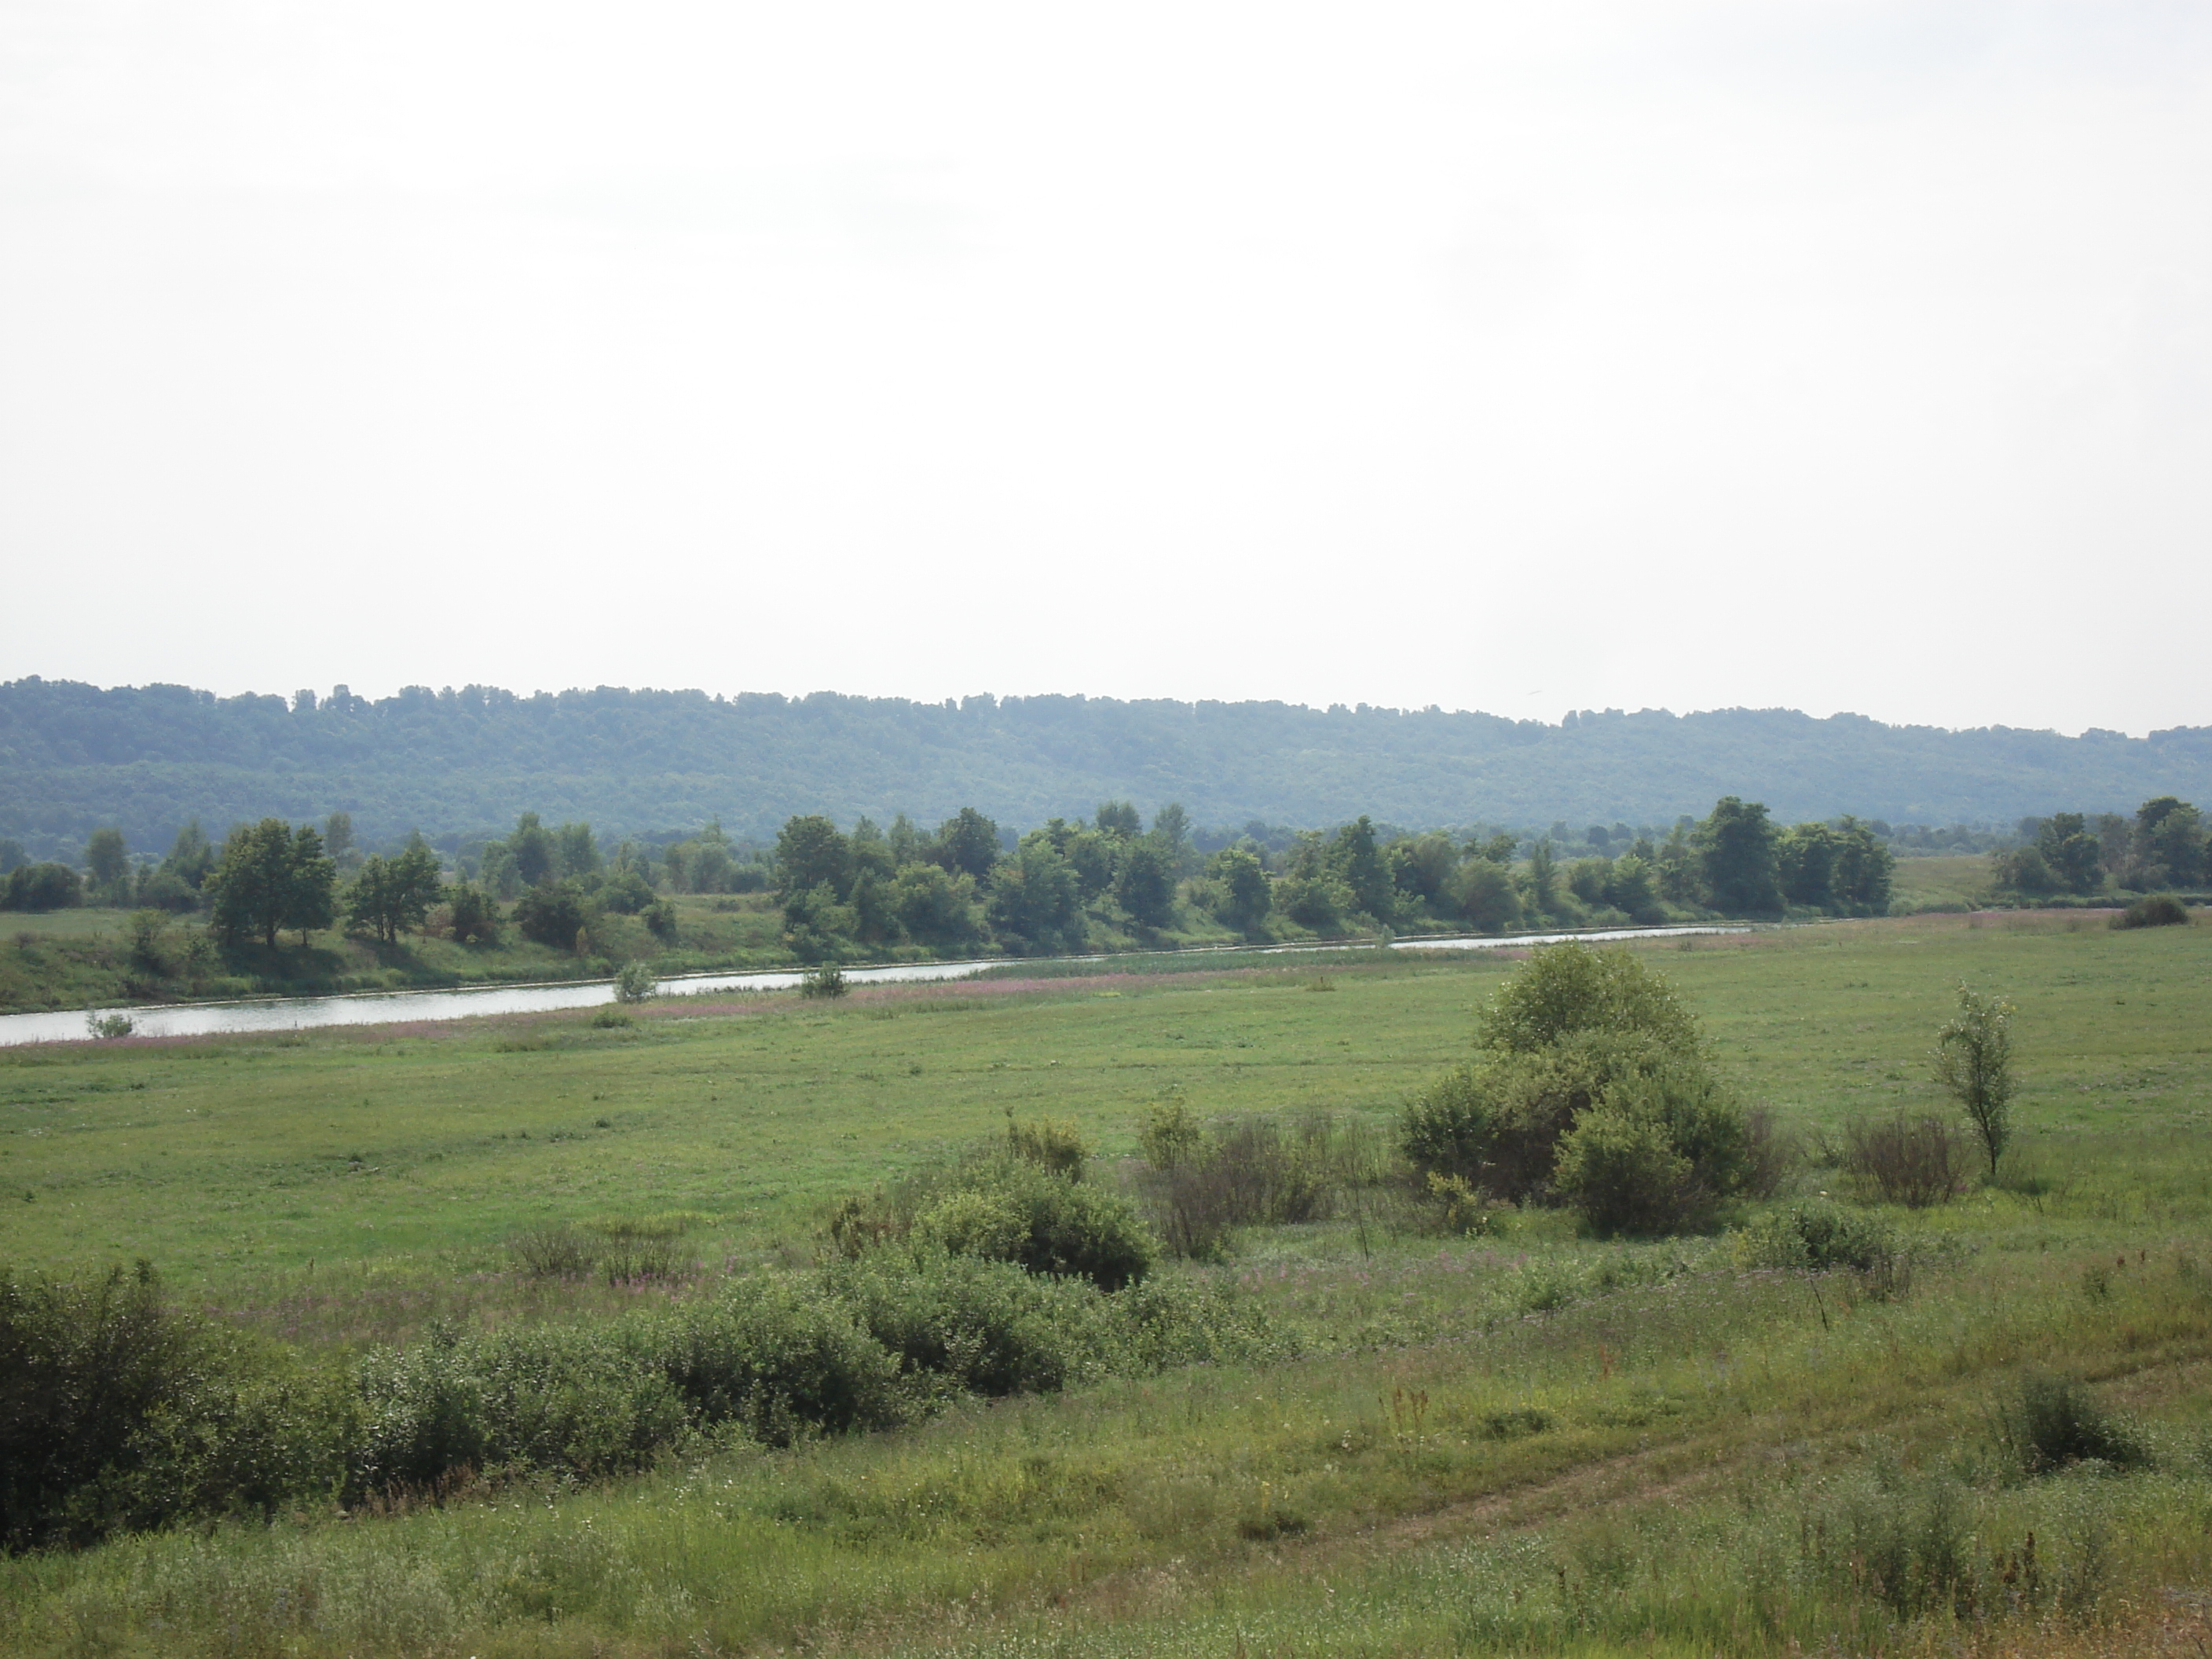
(1506, 357)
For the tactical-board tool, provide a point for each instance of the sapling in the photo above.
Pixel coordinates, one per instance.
(1973, 1062)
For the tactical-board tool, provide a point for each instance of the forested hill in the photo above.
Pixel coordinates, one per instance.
(75, 757)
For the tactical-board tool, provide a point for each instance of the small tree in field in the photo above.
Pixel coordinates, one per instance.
(1973, 1062)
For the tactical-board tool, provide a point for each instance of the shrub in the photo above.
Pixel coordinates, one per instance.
(1820, 1237)
(1169, 1134)
(1011, 1210)
(1051, 1143)
(1620, 1169)
(553, 916)
(2161, 910)
(983, 1326)
(783, 1359)
(2052, 1422)
(827, 980)
(635, 982)
(1570, 989)
(1973, 1062)
(1256, 1171)
(1913, 1161)
(473, 915)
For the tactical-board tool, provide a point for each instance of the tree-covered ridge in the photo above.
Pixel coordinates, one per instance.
(149, 759)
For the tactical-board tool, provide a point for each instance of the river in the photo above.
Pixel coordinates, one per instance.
(394, 1007)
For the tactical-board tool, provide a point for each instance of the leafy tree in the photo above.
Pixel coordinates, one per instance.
(1485, 895)
(1736, 851)
(1241, 897)
(575, 853)
(500, 874)
(1973, 1063)
(107, 856)
(475, 917)
(532, 848)
(311, 886)
(1588, 879)
(1542, 879)
(626, 891)
(337, 841)
(1421, 870)
(1145, 885)
(1629, 887)
(1864, 870)
(554, 914)
(968, 843)
(271, 879)
(1805, 862)
(936, 910)
(390, 894)
(1357, 859)
(191, 856)
(2070, 852)
(2172, 835)
(1036, 905)
(1119, 818)
(810, 853)
(816, 927)
(1570, 989)
(12, 855)
(42, 887)
(710, 867)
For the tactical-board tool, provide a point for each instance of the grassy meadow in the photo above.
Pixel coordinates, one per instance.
(1520, 1441)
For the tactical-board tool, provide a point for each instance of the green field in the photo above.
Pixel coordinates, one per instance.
(1720, 1449)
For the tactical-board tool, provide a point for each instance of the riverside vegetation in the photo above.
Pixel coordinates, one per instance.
(1142, 1312)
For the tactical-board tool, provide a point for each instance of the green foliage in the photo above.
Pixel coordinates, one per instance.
(1144, 884)
(968, 843)
(392, 894)
(553, 916)
(1818, 1237)
(1051, 1143)
(2161, 910)
(2054, 1421)
(824, 980)
(38, 887)
(635, 982)
(1240, 893)
(271, 877)
(473, 915)
(1570, 989)
(1010, 1209)
(1736, 856)
(1973, 1062)
(108, 858)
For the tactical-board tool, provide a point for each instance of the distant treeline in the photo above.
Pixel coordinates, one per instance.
(148, 760)
(967, 887)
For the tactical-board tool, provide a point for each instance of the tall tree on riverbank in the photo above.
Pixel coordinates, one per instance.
(272, 877)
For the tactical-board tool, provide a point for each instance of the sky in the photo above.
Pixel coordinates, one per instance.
(1821, 354)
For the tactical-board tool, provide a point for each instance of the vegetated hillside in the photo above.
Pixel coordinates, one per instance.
(73, 756)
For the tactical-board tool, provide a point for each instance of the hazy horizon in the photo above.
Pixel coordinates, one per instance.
(1834, 355)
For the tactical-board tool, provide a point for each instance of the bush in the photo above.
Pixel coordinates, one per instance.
(635, 982)
(1011, 1210)
(1819, 1237)
(825, 980)
(1913, 1161)
(1051, 1143)
(553, 916)
(1252, 1171)
(2161, 910)
(123, 1412)
(2052, 1422)
(473, 915)
(983, 1326)
(1572, 989)
(784, 1359)
(1620, 1169)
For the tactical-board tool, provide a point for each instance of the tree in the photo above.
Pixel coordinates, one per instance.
(1145, 884)
(337, 841)
(1359, 862)
(575, 853)
(1483, 894)
(934, 908)
(191, 856)
(1805, 861)
(2172, 835)
(1736, 849)
(1542, 879)
(42, 887)
(533, 851)
(1972, 1060)
(553, 916)
(1864, 869)
(810, 853)
(271, 879)
(1035, 905)
(390, 894)
(2070, 852)
(12, 855)
(968, 843)
(1119, 818)
(1241, 897)
(475, 917)
(108, 857)
(1628, 887)
(496, 868)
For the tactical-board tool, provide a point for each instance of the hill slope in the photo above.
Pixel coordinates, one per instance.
(73, 756)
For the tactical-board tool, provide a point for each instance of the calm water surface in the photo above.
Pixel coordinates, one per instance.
(388, 1008)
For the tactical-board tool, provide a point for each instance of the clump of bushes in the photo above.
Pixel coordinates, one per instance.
(1916, 1161)
(1818, 1237)
(2160, 910)
(1593, 1089)
(1201, 1183)
(2052, 1422)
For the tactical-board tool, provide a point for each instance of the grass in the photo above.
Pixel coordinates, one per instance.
(1958, 881)
(1534, 1442)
